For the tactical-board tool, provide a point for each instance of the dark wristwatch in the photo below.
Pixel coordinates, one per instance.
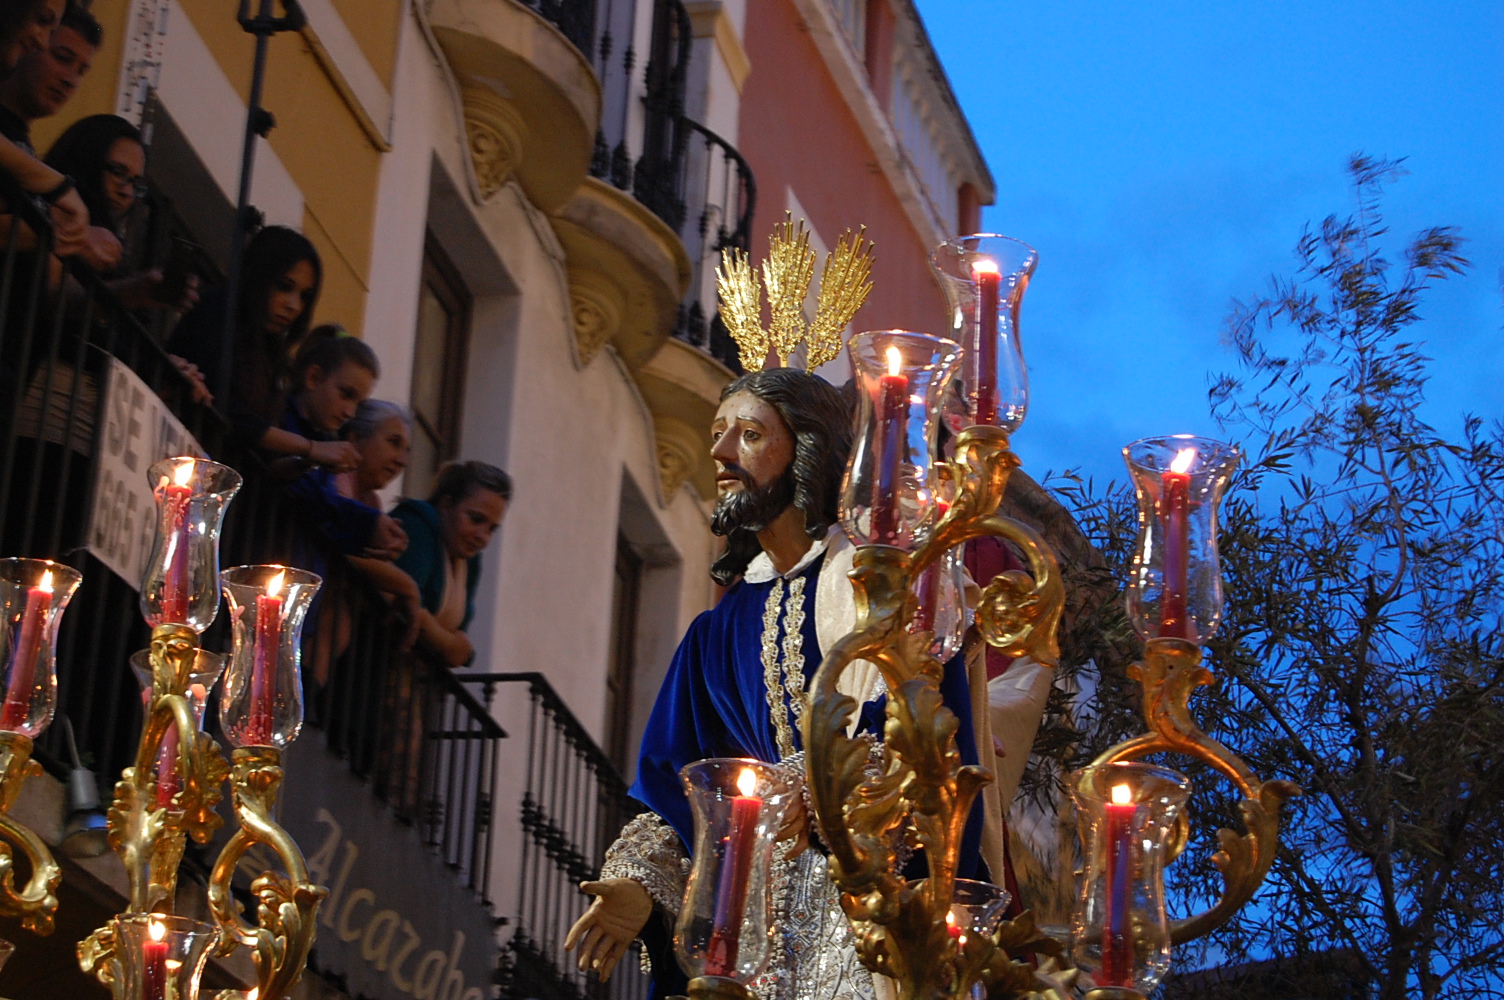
(63, 187)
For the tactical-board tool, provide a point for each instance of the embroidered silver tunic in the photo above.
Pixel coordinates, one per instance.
(817, 960)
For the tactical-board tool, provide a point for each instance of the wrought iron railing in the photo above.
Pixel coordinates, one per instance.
(572, 805)
(421, 740)
(691, 178)
(717, 179)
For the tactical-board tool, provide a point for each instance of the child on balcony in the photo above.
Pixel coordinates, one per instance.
(333, 374)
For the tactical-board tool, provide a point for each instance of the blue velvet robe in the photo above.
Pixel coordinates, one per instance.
(713, 703)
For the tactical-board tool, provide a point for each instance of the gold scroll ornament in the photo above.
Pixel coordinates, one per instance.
(150, 839)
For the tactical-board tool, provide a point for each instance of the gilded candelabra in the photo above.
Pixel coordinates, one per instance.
(169, 795)
(922, 793)
(34, 594)
(36, 901)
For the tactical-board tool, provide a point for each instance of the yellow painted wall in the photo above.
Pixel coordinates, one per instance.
(375, 25)
(321, 143)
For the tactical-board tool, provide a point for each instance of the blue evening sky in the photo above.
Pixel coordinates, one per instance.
(1163, 159)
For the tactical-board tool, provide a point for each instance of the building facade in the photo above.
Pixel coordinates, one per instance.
(519, 207)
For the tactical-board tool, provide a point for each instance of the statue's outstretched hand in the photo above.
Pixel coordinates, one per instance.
(621, 908)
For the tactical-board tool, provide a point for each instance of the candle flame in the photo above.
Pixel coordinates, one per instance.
(950, 918)
(173, 964)
(895, 360)
(1121, 795)
(1183, 460)
(255, 992)
(746, 782)
(274, 585)
(183, 473)
(45, 584)
(984, 265)
(156, 929)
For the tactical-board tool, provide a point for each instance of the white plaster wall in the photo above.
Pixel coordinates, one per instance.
(421, 104)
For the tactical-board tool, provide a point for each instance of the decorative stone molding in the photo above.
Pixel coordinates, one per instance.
(524, 87)
(596, 304)
(498, 136)
(680, 450)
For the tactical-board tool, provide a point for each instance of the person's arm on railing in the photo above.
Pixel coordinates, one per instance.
(393, 582)
(451, 644)
(70, 219)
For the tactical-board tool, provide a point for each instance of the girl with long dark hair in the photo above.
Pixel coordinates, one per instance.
(279, 285)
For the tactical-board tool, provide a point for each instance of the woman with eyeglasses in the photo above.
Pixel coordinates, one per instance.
(106, 159)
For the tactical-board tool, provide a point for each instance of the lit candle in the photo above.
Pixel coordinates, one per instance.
(954, 929)
(1174, 514)
(264, 662)
(1117, 948)
(173, 965)
(23, 660)
(988, 280)
(892, 414)
(175, 588)
(154, 964)
(736, 872)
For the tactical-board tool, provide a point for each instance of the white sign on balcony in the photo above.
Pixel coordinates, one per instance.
(138, 429)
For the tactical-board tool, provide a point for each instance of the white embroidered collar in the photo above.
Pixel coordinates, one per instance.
(760, 569)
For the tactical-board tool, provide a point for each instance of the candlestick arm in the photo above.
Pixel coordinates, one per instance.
(1169, 673)
(97, 958)
(36, 901)
(150, 839)
(922, 793)
(286, 905)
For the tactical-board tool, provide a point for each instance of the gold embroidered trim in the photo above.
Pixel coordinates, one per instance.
(786, 678)
(793, 655)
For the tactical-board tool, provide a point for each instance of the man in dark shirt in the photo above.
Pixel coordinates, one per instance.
(44, 80)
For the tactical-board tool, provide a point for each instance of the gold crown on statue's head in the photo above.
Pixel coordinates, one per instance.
(786, 273)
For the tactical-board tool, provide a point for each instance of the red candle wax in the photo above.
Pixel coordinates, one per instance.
(264, 664)
(989, 282)
(23, 660)
(175, 588)
(154, 963)
(1174, 515)
(951, 927)
(1117, 944)
(736, 872)
(887, 442)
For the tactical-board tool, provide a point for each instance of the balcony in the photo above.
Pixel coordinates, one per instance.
(531, 101)
(390, 790)
(643, 233)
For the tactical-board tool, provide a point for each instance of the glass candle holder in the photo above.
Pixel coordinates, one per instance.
(203, 676)
(888, 496)
(262, 700)
(940, 598)
(985, 277)
(1175, 585)
(724, 923)
(1119, 933)
(162, 957)
(33, 595)
(181, 585)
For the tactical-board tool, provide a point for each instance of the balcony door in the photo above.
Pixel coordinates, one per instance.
(441, 343)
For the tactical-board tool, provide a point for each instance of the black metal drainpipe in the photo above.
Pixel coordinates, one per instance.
(258, 122)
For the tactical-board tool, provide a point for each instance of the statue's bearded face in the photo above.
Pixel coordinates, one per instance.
(753, 452)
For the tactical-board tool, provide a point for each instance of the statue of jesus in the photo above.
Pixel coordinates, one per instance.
(736, 688)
